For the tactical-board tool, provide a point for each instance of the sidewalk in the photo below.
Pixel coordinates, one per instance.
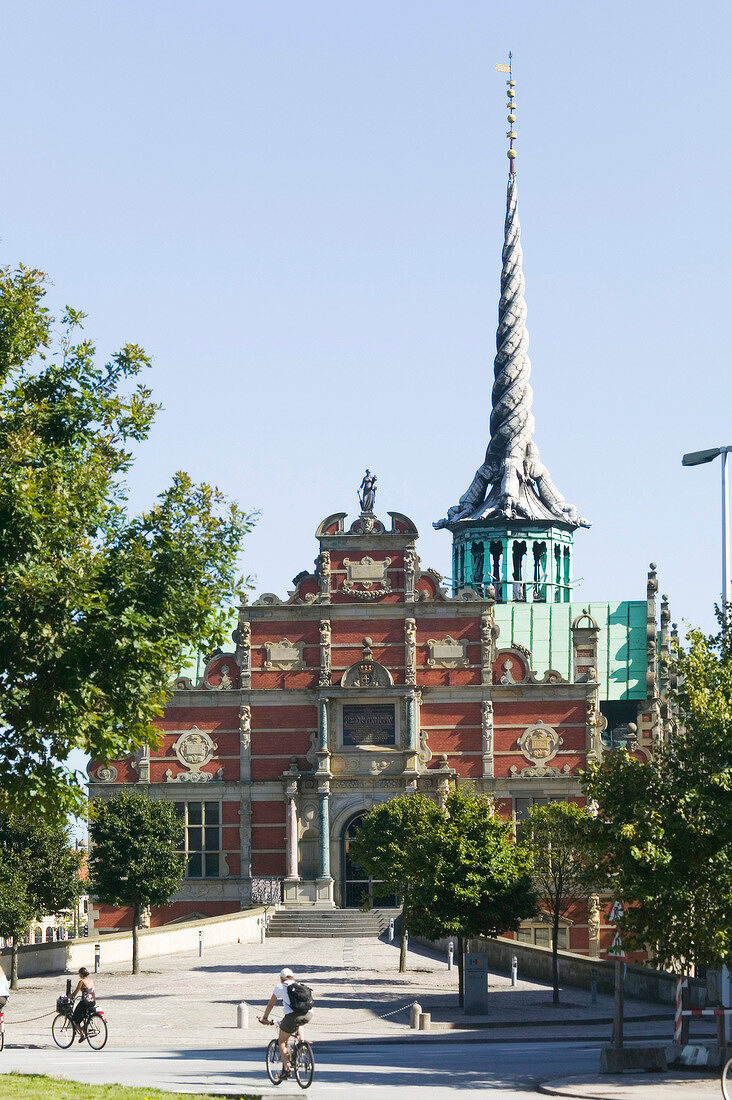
(359, 993)
(638, 1086)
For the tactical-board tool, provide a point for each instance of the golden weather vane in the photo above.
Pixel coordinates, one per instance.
(511, 105)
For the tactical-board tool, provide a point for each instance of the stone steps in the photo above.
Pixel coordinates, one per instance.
(343, 923)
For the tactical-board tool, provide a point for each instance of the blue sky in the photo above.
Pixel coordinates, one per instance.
(297, 208)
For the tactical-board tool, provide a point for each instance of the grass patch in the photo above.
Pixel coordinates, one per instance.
(22, 1086)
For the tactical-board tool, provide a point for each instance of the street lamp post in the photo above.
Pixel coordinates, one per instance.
(698, 458)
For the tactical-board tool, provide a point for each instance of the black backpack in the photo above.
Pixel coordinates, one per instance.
(301, 997)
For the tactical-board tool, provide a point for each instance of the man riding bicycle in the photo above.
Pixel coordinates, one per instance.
(292, 1021)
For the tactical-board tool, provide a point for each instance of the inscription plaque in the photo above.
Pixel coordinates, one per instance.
(374, 725)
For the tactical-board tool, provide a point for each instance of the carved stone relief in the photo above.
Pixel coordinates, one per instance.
(410, 651)
(370, 575)
(486, 713)
(244, 652)
(322, 572)
(448, 653)
(410, 573)
(107, 774)
(325, 666)
(539, 743)
(284, 656)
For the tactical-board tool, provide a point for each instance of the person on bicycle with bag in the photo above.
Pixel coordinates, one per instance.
(88, 1001)
(295, 1016)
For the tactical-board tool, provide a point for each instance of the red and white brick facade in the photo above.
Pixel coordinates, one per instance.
(368, 682)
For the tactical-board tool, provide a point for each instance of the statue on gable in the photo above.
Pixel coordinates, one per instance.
(367, 492)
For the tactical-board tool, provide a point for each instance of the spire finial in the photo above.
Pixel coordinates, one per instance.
(511, 106)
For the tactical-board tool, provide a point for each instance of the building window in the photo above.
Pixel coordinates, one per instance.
(202, 838)
(541, 935)
(49, 935)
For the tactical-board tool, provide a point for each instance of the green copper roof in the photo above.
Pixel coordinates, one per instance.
(545, 629)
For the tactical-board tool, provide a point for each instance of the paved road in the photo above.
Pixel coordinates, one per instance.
(438, 1068)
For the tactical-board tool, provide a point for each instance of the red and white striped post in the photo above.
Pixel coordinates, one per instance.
(680, 983)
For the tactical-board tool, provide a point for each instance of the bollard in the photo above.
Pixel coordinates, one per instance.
(406, 943)
(97, 954)
(425, 1021)
(414, 1014)
(514, 970)
(263, 931)
(391, 930)
(242, 1014)
(593, 986)
(200, 943)
(450, 952)
(68, 987)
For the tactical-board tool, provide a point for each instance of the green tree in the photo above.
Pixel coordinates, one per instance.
(98, 609)
(556, 837)
(474, 880)
(387, 847)
(133, 860)
(39, 876)
(663, 831)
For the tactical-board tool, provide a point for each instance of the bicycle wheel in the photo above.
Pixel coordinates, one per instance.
(274, 1062)
(2, 1035)
(96, 1031)
(62, 1030)
(304, 1064)
(727, 1080)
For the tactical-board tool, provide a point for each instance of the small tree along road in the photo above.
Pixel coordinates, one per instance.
(475, 881)
(663, 832)
(39, 875)
(98, 610)
(457, 870)
(385, 847)
(555, 836)
(134, 858)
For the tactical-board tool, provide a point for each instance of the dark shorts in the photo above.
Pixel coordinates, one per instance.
(3, 1002)
(291, 1021)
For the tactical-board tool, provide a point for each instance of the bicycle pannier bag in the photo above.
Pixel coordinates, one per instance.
(301, 997)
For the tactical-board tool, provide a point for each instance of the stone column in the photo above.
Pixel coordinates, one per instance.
(324, 882)
(142, 764)
(292, 869)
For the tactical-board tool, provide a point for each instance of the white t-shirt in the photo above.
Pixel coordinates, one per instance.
(281, 992)
(4, 987)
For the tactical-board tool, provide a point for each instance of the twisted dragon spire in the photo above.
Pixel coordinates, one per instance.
(512, 482)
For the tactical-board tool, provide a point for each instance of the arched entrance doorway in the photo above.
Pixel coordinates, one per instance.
(356, 886)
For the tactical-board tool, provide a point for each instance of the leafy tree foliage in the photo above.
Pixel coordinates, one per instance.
(475, 880)
(98, 609)
(387, 846)
(663, 832)
(464, 876)
(556, 838)
(39, 875)
(134, 858)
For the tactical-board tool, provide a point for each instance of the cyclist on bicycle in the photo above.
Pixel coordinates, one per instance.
(4, 989)
(88, 1001)
(291, 1023)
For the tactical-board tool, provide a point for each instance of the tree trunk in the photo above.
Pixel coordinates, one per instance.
(461, 976)
(14, 964)
(135, 940)
(555, 947)
(403, 934)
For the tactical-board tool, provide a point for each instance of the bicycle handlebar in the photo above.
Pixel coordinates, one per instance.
(269, 1023)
